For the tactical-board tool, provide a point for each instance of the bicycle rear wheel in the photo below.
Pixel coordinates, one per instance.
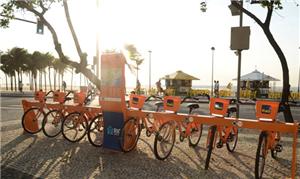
(232, 139)
(164, 140)
(32, 120)
(210, 144)
(96, 131)
(130, 134)
(261, 155)
(52, 123)
(195, 136)
(74, 127)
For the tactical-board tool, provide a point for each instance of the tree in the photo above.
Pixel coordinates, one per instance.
(39, 8)
(135, 56)
(272, 5)
(5, 68)
(18, 57)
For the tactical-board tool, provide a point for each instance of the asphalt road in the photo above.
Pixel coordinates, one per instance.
(27, 156)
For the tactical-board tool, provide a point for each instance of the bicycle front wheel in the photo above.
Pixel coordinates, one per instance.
(164, 140)
(195, 136)
(210, 144)
(52, 123)
(130, 134)
(232, 139)
(261, 155)
(32, 120)
(74, 127)
(96, 131)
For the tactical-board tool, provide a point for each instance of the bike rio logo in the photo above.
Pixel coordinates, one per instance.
(113, 131)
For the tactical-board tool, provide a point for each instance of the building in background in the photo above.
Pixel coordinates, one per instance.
(257, 82)
(179, 82)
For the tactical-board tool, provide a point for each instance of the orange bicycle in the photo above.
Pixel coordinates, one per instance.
(165, 137)
(96, 131)
(226, 134)
(266, 111)
(75, 124)
(53, 119)
(131, 129)
(33, 117)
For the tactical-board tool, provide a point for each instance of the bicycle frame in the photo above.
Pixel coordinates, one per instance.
(136, 103)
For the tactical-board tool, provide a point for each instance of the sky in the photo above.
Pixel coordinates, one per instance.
(179, 35)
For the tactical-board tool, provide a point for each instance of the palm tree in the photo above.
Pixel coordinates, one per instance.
(39, 67)
(46, 60)
(59, 68)
(135, 56)
(5, 68)
(49, 59)
(18, 57)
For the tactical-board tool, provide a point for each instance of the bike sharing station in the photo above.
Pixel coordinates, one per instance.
(122, 123)
(115, 112)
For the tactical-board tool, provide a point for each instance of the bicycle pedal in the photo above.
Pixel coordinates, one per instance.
(278, 148)
(230, 139)
(160, 138)
(181, 138)
(219, 145)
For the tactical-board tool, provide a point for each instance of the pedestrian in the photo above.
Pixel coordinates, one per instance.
(159, 88)
(138, 87)
(64, 86)
(21, 86)
(216, 89)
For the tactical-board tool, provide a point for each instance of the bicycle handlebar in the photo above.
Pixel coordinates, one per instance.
(86, 100)
(188, 97)
(153, 96)
(66, 96)
(51, 91)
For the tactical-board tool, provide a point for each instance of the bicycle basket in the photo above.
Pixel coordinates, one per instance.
(79, 97)
(218, 107)
(39, 96)
(172, 103)
(136, 101)
(266, 110)
(59, 97)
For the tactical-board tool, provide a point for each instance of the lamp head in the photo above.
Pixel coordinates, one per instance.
(234, 11)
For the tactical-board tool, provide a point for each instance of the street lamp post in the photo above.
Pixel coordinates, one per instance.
(212, 71)
(97, 46)
(149, 70)
(239, 70)
(299, 79)
(234, 12)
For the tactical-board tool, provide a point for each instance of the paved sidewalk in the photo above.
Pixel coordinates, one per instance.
(16, 94)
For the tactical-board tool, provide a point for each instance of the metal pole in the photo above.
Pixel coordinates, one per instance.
(239, 70)
(149, 70)
(97, 46)
(212, 71)
(299, 78)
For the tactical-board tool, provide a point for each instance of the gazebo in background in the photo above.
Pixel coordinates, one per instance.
(257, 82)
(179, 81)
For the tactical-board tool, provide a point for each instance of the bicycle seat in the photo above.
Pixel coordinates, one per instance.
(68, 99)
(159, 103)
(193, 106)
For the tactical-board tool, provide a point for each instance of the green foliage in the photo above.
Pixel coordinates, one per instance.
(7, 10)
(6, 14)
(134, 55)
(18, 59)
(271, 3)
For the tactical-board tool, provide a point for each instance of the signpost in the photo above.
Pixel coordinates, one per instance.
(112, 98)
